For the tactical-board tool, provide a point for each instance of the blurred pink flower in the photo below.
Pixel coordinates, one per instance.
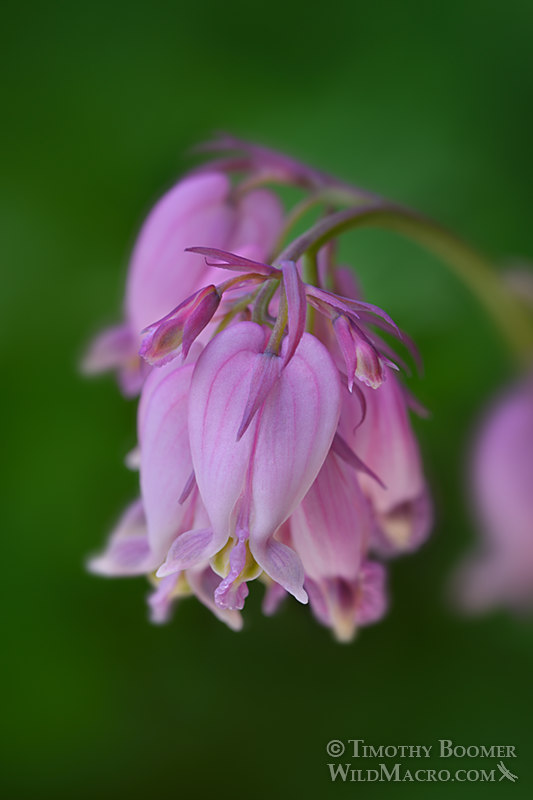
(500, 570)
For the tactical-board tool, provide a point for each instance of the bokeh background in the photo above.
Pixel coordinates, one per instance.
(429, 103)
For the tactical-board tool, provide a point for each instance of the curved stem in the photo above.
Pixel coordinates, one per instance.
(474, 269)
(341, 196)
(265, 295)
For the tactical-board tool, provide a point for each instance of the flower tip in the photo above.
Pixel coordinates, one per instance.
(165, 570)
(301, 595)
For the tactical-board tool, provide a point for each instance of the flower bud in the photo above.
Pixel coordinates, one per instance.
(163, 339)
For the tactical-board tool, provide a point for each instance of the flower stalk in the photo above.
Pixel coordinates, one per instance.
(471, 267)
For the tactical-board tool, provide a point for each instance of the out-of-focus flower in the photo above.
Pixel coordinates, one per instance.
(500, 570)
(280, 446)
(162, 274)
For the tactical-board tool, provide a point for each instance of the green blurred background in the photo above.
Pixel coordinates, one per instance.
(429, 103)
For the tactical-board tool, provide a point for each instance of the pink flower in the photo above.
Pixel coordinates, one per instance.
(500, 570)
(331, 531)
(180, 328)
(161, 274)
(251, 485)
(280, 447)
(140, 543)
(387, 445)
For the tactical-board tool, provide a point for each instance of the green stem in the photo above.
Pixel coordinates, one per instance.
(327, 196)
(472, 268)
(265, 295)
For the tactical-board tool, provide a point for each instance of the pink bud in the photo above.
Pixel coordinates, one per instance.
(362, 359)
(162, 340)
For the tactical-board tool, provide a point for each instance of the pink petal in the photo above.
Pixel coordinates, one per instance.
(109, 350)
(276, 460)
(331, 527)
(343, 332)
(227, 260)
(258, 225)
(128, 551)
(296, 305)
(116, 349)
(189, 549)
(266, 371)
(386, 443)
(161, 273)
(166, 463)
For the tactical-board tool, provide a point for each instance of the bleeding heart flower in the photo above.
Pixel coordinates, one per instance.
(251, 485)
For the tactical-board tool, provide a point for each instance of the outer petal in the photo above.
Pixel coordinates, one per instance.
(293, 434)
(272, 466)
(166, 463)
(116, 349)
(161, 274)
(197, 211)
(387, 445)
(331, 527)
(258, 225)
(219, 394)
(128, 551)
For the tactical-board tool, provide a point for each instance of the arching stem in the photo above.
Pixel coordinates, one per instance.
(472, 268)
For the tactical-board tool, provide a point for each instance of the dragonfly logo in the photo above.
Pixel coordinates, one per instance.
(506, 773)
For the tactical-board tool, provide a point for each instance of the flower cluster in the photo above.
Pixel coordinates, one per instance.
(274, 439)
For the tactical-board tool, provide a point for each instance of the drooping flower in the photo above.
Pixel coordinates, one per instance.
(162, 274)
(279, 447)
(499, 572)
(250, 485)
